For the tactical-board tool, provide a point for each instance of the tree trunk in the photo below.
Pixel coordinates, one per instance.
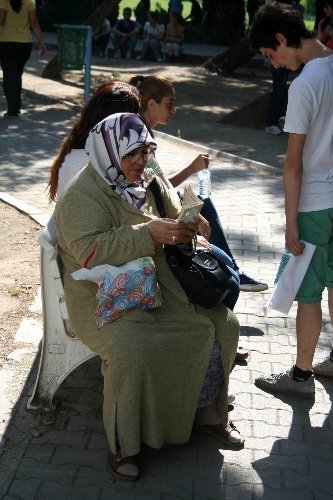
(234, 57)
(224, 21)
(52, 69)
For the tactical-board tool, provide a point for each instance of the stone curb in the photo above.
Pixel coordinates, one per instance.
(231, 158)
(34, 213)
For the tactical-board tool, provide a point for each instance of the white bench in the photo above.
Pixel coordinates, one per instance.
(61, 351)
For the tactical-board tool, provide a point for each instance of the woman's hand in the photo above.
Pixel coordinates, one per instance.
(204, 227)
(41, 48)
(200, 162)
(170, 232)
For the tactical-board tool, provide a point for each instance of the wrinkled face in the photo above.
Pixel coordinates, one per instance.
(283, 56)
(165, 109)
(133, 164)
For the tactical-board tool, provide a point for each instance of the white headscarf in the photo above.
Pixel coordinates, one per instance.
(108, 142)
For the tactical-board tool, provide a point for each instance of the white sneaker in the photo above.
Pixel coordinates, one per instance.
(273, 130)
(160, 59)
(138, 58)
(285, 384)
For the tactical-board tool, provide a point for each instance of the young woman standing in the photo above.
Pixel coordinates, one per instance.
(16, 18)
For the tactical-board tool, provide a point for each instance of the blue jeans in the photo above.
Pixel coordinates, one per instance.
(278, 100)
(127, 45)
(217, 236)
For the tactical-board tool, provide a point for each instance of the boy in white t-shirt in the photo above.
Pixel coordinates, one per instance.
(279, 33)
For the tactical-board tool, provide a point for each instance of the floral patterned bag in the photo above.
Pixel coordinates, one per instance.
(122, 288)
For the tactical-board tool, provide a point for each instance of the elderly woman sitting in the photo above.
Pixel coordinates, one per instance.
(162, 368)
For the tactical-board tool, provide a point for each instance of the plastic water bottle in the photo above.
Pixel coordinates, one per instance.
(204, 183)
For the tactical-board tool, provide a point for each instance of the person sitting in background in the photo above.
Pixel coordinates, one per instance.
(109, 98)
(101, 37)
(325, 27)
(164, 369)
(124, 35)
(113, 16)
(195, 16)
(174, 37)
(175, 6)
(153, 33)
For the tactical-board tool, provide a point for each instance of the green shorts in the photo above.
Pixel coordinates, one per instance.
(317, 228)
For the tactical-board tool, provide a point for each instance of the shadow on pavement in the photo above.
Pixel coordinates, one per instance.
(64, 453)
(303, 457)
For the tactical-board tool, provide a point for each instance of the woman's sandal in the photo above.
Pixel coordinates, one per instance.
(126, 468)
(229, 435)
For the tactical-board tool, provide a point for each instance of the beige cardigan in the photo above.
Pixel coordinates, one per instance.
(153, 362)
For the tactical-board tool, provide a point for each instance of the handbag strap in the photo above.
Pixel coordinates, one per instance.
(155, 189)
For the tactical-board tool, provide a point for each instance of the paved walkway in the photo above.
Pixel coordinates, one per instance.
(289, 446)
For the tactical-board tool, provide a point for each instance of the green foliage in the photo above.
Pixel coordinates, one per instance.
(310, 6)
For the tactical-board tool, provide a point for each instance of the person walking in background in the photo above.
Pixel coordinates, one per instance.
(277, 103)
(174, 37)
(16, 18)
(280, 34)
(325, 27)
(124, 35)
(153, 32)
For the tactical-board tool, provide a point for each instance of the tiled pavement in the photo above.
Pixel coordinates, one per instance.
(289, 446)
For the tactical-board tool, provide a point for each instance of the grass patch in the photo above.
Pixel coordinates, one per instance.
(15, 290)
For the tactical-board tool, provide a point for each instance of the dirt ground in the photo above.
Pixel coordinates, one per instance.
(19, 271)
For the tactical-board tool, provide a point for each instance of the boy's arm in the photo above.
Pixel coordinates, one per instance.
(292, 181)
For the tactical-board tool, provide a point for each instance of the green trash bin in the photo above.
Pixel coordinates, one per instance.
(71, 46)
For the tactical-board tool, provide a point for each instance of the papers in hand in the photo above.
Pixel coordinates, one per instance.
(192, 206)
(289, 278)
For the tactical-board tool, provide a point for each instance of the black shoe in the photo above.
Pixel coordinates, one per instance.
(9, 117)
(248, 284)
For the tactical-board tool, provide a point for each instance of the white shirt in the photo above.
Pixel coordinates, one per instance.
(154, 31)
(310, 112)
(72, 164)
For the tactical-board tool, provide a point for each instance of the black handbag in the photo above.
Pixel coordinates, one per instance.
(205, 279)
